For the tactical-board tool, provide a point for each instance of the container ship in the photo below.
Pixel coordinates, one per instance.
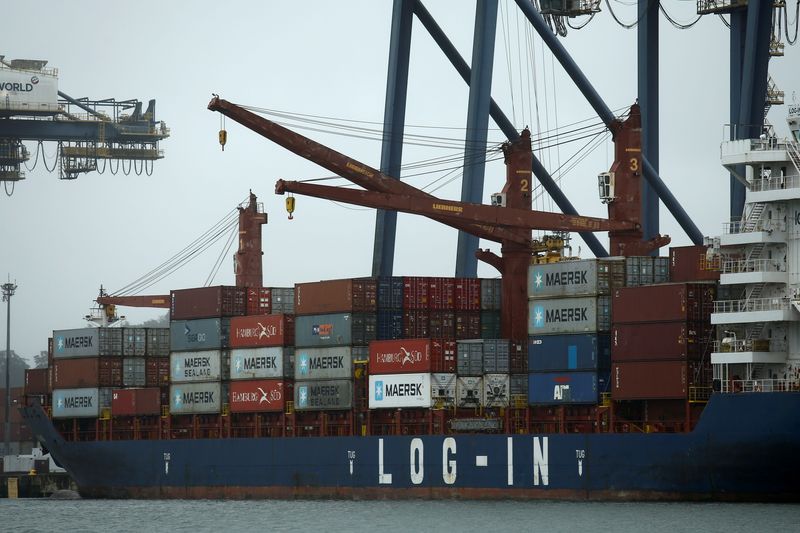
(629, 377)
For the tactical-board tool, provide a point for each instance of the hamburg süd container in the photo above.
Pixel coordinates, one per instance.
(443, 389)
(261, 395)
(400, 356)
(649, 380)
(584, 351)
(399, 390)
(205, 365)
(79, 403)
(586, 277)
(133, 372)
(569, 315)
(258, 363)
(324, 330)
(87, 342)
(469, 391)
(661, 341)
(134, 342)
(323, 363)
(336, 296)
(323, 395)
(197, 398)
(208, 302)
(679, 302)
(136, 402)
(553, 388)
(201, 334)
(496, 390)
(261, 330)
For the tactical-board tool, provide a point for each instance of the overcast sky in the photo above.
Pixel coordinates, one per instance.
(62, 239)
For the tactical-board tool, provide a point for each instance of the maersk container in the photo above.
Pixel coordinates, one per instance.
(77, 403)
(257, 363)
(197, 398)
(555, 388)
(136, 402)
(496, 388)
(158, 342)
(202, 334)
(323, 363)
(469, 391)
(390, 293)
(324, 330)
(400, 356)
(133, 372)
(590, 351)
(443, 389)
(491, 294)
(470, 358)
(205, 365)
(208, 302)
(87, 342)
(586, 277)
(283, 300)
(260, 395)
(399, 391)
(495, 356)
(569, 315)
(261, 330)
(134, 342)
(390, 324)
(323, 395)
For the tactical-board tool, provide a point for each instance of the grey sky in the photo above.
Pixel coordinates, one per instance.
(61, 240)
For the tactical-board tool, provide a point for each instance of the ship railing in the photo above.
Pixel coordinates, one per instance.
(748, 345)
(751, 305)
(749, 265)
(739, 226)
(759, 385)
(699, 394)
(773, 183)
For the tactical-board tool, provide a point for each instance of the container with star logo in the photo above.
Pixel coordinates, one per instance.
(323, 395)
(197, 398)
(585, 277)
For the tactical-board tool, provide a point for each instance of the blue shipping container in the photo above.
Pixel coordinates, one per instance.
(390, 324)
(323, 330)
(569, 352)
(390, 293)
(201, 334)
(555, 388)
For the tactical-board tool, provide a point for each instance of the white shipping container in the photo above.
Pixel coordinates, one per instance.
(443, 389)
(195, 366)
(257, 363)
(334, 362)
(495, 390)
(469, 391)
(28, 90)
(399, 390)
(195, 398)
(76, 403)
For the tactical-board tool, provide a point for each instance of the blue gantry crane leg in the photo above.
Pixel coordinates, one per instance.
(647, 72)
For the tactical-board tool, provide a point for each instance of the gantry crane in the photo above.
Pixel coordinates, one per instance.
(508, 222)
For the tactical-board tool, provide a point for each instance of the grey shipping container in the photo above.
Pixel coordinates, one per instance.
(334, 329)
(469, 358)
(491, 294)
(639, 271)
(87, 342)
(196, 398)
(569, 315)
(587, 277)
(496, 389)
(323, 395)
(518, 388)
(334, 362)
(495, 356)
(133, 372)
(201, 334)
(660, 269)
(258, 363)
(469, 391)
(80, 403)
(158, 342)
(205, 365)
(283, 300)
(134, 342)
(443, 389)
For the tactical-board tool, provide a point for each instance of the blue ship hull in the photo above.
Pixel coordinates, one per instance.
(743, 448)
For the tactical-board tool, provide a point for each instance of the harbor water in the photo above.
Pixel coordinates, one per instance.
(35, 515)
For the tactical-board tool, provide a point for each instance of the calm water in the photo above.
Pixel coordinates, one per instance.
(388, 516)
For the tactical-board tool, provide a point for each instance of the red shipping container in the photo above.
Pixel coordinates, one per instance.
(441, 293)
(416, 324)
(443, 355)
(208, 302)
(468, 325)
(467, 294)
(261, 395)
(36, 381)
(650, 380)
(261, 330)
(443, 324)
(136, 402)
(365, 295)
(689, 263)
(400, 356)
(77, 373)
(415, 293)
(259, 300)
(660, 341)
(667, 302)
(156, 371)
(336, 296)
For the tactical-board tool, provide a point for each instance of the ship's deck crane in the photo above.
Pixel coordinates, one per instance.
(509, 223)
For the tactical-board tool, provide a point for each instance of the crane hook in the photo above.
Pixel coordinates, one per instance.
(290, 206)
(223, 135)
